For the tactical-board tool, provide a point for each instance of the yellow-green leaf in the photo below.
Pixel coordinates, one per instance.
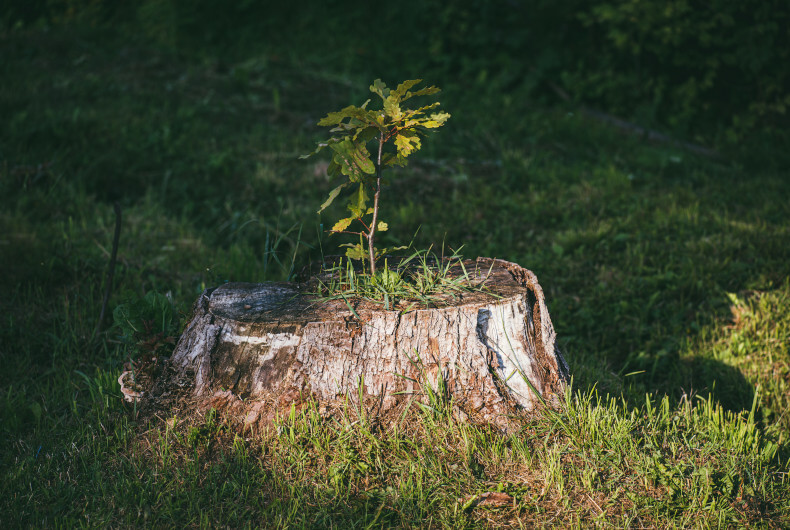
(423, 92)
(342, 224)
(435, 120)
(378, 87)
(407, 142)
(355, 115)
(421, 110)
(403, 88)
(355, 251)
(382, 251)
(392, 109)
(362, 199)
(332, 196)
(382, 227)
(334, 118)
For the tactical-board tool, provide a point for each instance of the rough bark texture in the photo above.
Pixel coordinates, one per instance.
(256, 349)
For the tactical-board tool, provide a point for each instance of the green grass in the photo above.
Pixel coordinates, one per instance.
(666, 277)
(419, 280)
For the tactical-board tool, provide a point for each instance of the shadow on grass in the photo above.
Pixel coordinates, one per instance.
(703, 377)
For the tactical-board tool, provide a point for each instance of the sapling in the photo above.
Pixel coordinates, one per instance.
(394, 131)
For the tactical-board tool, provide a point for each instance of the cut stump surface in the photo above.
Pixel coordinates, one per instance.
(254, 350)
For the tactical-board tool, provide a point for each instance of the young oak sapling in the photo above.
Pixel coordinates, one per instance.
(353, 129)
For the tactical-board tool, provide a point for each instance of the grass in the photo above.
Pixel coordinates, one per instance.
(666, 276)
(416, 281)
(599, 460)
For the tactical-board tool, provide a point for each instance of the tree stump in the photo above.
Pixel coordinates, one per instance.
(255, 350)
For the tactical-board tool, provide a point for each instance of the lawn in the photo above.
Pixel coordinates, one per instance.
(666, 275)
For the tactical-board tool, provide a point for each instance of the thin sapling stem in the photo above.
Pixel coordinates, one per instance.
(372, 233)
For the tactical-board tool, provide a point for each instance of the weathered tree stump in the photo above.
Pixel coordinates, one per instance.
(256, 349)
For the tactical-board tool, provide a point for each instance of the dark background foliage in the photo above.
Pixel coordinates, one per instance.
(713, 72)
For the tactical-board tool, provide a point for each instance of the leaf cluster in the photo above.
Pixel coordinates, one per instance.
(353, 129)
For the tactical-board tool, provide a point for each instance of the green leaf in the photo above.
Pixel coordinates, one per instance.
(390, 159)
(366, 117)
(392, 109)
(351, 113)
(358, 209)
(389, 250)
(366, 134)
(435, 120)
(334, 118)
(417, 112)
(403, 88)
(353, 158)
(382, 226)
(333, 169)
(342, 224)
(343, 129)
(317, 150)
(378, 87)
(355, 251)
(422, 92)
(407, 142)
(332, 196)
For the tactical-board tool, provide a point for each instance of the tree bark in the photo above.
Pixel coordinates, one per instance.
(254, 350)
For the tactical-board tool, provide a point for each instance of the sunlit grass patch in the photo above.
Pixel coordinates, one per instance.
(599, 460)
(753, 342)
